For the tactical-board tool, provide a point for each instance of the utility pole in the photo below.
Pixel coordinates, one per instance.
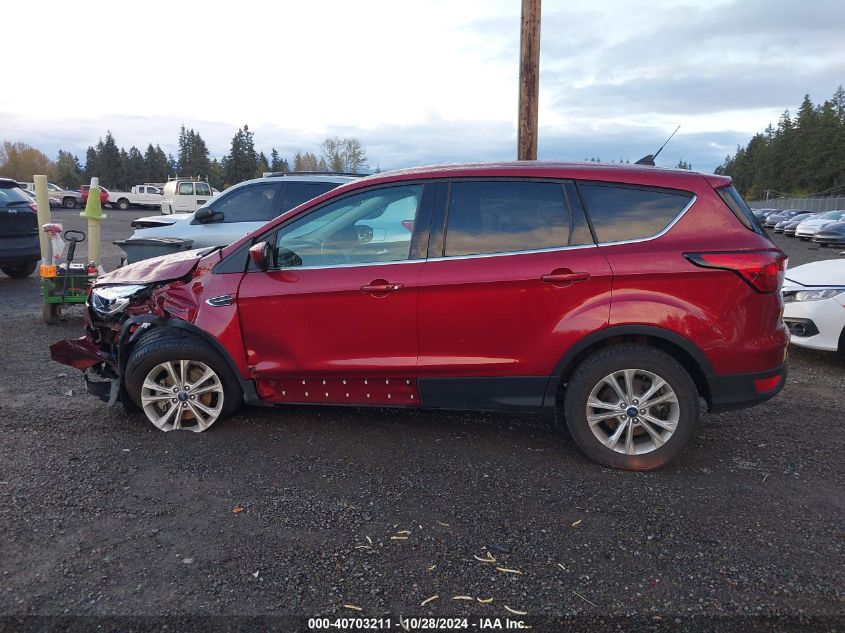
(529, 80)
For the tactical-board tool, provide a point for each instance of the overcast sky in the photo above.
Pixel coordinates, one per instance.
(417, 82)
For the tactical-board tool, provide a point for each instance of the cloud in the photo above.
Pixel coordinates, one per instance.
(736, 87)
(438, 83)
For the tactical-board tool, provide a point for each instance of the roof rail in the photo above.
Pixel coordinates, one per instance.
(269, 174)
(191, 178)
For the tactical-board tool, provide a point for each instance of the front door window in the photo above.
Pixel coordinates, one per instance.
(366, 228)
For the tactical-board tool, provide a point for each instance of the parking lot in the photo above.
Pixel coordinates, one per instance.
(291, 511)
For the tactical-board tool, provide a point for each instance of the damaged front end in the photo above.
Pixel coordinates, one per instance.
(119, 308)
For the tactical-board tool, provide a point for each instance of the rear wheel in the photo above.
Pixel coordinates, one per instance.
(631, 406)
(20, 271)
(70, 203)
(179, 382)
(123, 204)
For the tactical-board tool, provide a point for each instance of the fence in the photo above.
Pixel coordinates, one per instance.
(808, 204)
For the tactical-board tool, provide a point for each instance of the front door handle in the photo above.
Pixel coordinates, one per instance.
(379, 285)
(564, 276)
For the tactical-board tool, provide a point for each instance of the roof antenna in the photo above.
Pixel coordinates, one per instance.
(649, 159)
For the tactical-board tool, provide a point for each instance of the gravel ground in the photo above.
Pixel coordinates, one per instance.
(291, 512)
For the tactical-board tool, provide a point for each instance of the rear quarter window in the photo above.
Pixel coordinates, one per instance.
(621, 213)
(736, 204)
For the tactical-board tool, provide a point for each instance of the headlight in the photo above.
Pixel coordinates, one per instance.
(109, 300)
(812, 295)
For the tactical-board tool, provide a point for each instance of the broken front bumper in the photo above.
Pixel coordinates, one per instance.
(106, 390)
(80, 353)
(98, 367)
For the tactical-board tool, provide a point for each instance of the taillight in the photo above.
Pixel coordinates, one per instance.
(763, 270)
(33, 207)
(408, 224)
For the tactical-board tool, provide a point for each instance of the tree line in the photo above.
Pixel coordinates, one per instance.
(119, 168)
(804, 155)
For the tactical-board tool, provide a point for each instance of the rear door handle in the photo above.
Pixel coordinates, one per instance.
(564, 277)
(380, 286)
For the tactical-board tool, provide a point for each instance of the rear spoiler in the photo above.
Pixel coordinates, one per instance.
(718, 182)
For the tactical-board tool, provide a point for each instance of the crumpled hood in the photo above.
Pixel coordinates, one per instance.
(156, 269)
(830, 272)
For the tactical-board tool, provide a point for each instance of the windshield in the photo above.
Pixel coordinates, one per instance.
(831, 215)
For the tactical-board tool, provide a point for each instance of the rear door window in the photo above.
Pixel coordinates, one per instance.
(621, 213)
(253, 203)
(507, 216)
(298, 192)
(203, 189)
(186, 188)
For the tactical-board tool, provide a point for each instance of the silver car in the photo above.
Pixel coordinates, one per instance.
(226, 218)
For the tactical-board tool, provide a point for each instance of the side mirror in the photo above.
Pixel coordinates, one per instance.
(204, 215)
(365, 233)
(261, 255)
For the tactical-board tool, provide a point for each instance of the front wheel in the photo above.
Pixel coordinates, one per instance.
(70, 203)
(179, 382)
(631, 406)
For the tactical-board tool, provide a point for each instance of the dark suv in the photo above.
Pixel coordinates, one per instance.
(19, 247)
(596, 291)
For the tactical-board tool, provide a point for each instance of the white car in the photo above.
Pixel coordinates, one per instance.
(226, 218)
(814, 305)
(807, 229)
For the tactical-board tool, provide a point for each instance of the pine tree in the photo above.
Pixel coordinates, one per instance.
(156, 167)
(134, 168)
(802, 155)
(242, 162)
(92, 164)
(109, 162)
(262, 165)
(192, 155)
(278, 164)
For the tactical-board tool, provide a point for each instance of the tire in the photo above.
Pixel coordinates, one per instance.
(21, 271)
(70, 203)
(50, 313)
(123, 204)
(217, 397)
(588, 381)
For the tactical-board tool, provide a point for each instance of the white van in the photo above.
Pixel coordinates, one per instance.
(185, 196)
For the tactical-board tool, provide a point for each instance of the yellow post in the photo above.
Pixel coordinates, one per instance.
(94, 213)
(42, 201)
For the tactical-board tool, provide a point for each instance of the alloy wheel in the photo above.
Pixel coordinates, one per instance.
(182, 395)
(633, 411)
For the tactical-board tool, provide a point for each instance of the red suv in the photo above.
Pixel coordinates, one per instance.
(617, 295)
(104, 194)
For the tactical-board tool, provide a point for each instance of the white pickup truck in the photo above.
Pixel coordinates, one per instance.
(140, 196)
